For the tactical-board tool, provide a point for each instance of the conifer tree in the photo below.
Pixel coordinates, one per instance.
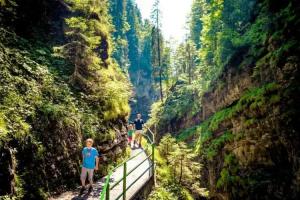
(157, 44)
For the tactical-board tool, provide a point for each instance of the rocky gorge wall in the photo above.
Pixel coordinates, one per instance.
(249, 140)
(44, 119)
(245, 129)
(144, 93)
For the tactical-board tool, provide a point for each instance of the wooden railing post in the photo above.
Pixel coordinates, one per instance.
(153, 157)
(124, 180)
(107, 191)
(153, 153)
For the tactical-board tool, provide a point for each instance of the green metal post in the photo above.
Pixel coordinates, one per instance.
(107, 192)
(124, 180)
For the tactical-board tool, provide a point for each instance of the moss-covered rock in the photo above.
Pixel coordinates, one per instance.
(44, 117)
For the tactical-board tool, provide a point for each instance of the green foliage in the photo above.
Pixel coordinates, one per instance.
(187, 133)
(233, 38)
(162, 193)
(3, 128)
(105, 86)
(118, 12)
(177, 171)
(222, 29)
(229, 177)
(215, 144)
(181, 101)
(166, 145)
(53, 98)
(184, 61)
(219, 117)
(218, 29)
(196, 23)
(132, 51)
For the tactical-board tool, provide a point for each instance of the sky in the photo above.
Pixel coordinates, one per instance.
(174, 16)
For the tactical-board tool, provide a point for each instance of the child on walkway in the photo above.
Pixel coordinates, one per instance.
(90, 162)
(130, 134)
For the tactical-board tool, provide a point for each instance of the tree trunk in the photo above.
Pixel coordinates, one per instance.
(159, 59)
(189, 63)
(181, 168)
(174, 171)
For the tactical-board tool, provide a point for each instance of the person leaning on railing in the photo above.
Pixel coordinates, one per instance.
(138, 125)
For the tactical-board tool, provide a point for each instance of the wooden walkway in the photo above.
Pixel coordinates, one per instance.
(117, 175)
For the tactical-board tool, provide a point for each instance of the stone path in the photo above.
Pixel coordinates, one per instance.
(115, 192)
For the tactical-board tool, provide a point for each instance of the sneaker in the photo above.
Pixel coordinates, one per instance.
(82, 190)
(90, 189)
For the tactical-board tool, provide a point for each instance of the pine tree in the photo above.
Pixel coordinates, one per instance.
(185, 60)
(89, 50)
(196, 22)
(157, 44)
(184, 167)
(118, 12)
(167, 145)
(88, 47)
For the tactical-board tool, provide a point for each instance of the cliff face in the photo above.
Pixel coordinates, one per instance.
(44, 118)
(255, 148)
(144, 93)
(251, 149)
(249, 141)
(245, 127)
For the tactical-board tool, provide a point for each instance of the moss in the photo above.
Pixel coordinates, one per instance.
(229, 174)
(19, 187)
(3, 128)
(220, 117)
(249, 122)
(214, 145)
(187, 133)
(275, 99)
(254, 98)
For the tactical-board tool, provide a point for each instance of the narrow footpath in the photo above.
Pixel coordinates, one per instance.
(117, 175)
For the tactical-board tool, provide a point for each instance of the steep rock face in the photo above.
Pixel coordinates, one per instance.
(249, 141)
(246, 129)
(144, 94)
(254, 153)
(44, 119)
(40, 136)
